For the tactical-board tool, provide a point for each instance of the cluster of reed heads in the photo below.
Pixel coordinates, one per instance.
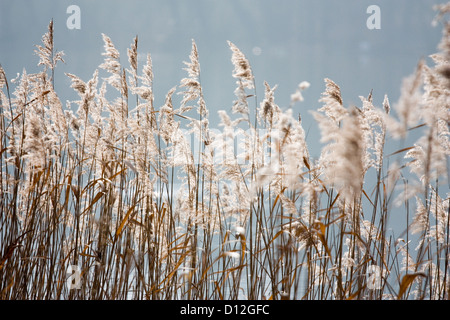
(149, 202)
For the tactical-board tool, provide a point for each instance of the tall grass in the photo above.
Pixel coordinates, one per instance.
(151, 203)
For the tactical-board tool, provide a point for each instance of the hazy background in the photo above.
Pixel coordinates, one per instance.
(286, 41)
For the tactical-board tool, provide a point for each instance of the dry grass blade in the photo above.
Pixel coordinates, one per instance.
(320, 230)
(406, 282)
(97, 197)
(124, 221)
(400, 151)
(176, 267)
(11, 248)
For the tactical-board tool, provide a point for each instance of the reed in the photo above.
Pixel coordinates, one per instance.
(149, 202)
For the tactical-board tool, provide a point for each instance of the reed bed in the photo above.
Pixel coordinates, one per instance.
(149, 202)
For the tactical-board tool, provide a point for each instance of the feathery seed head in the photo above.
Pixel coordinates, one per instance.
(242, 69)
